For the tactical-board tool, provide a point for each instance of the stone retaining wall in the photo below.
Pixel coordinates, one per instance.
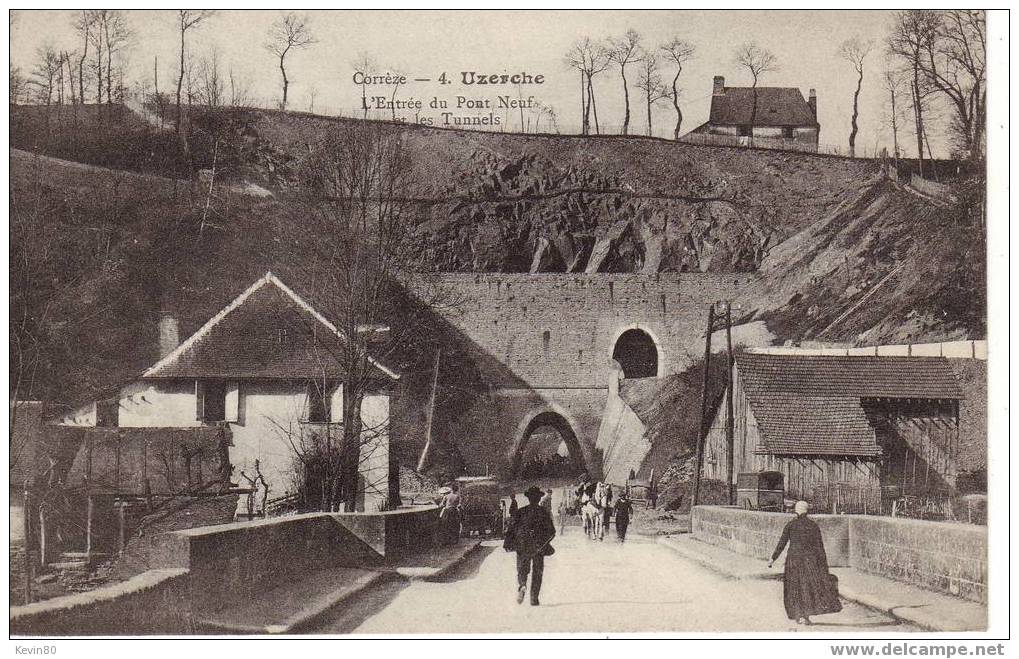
(239, 560)
(154, 602)
(754, 533)
(201, 570)
(942, 556)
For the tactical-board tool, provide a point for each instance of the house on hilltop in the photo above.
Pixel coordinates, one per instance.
(849, 434)
(782, 118)
(265, 366)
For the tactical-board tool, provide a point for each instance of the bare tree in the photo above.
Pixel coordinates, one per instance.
(650, 81)
(946, 52)
(893, 81)
(854, 51)
(589, 58)
(211, 84)
(187, 19)
(68, 56)
(366, 65)
(622, 52)
(312, 95)
(97, 35)
(16, 90)
(359, 181)
(550, 112)
(289, 33)
(912, 30)
(44, 75)
(678, 52)
(117, 34)
(240, 89)
(83, 25)
(757, 61)
(397, 70)
(364, 171)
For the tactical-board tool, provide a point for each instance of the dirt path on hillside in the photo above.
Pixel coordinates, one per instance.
(27, 158)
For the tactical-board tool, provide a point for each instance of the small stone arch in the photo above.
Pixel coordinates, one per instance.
(555, 418)
(638, 352)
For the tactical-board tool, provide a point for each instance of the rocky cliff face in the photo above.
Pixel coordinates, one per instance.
(521, 203)
(843, 254)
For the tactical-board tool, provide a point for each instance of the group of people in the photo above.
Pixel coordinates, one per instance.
(809, 589)
(596, 504)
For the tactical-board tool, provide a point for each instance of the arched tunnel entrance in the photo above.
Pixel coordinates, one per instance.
(547, 448)
(637, 354)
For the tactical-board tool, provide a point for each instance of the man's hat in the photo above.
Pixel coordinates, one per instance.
(533, 492)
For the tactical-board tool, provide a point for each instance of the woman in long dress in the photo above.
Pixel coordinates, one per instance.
(449, 515)
(808, 589)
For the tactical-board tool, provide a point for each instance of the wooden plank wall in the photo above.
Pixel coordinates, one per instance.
(846, 483)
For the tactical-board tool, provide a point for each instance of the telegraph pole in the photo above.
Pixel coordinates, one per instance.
(730, 419)
(28, 502)
(702, 432)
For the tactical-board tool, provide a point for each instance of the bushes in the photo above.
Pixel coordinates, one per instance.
(108, 136)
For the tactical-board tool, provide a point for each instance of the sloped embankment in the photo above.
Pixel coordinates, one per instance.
(882, 267)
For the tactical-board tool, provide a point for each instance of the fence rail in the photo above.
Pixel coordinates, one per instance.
(771, 143)
(846, 498)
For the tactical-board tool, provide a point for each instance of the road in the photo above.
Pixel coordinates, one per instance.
(636, 586)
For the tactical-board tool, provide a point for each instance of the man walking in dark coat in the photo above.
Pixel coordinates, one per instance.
(623, 511)
(808, 589)
(530, 534)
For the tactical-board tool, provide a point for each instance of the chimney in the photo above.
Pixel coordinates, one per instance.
(812, 102)
(169, 333)
(719, 87)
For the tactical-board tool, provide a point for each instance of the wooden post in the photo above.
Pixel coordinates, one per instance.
(121, 526)
(88, 529)
(430, 414)
(702, 434)
(729, 416)
(27, 523)
(43, 540)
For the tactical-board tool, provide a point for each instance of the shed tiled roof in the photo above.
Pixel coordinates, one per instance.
(812, 404)
(268, 332)
(865, 376)
(792, 424)
(776, 106)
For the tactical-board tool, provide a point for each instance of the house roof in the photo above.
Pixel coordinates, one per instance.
(268, 331)
(813, 404)
(776, 106)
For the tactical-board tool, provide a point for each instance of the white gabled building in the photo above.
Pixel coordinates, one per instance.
(265, 366)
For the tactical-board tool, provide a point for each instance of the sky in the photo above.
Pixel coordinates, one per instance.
(424, 44)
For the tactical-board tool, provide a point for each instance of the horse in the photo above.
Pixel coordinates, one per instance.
(592, 512)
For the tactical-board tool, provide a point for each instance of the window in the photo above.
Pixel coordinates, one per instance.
(215, 401)
(744, 130)
(318, 402)
(787, 132)
(107, 413)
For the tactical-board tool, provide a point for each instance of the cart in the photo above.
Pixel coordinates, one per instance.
(761, 490)
(480, 506)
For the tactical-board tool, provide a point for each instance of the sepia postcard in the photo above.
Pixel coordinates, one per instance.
(354, 323)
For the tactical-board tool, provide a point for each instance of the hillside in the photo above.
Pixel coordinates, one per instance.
(96, 253)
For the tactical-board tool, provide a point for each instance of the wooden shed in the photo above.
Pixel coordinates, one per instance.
(849, 433)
